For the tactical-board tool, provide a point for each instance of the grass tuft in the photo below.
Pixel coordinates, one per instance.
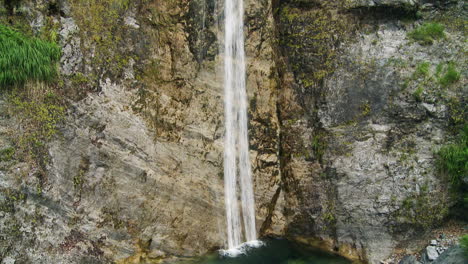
(448, 74)
(427, 33)
(453, 159)
(25, 59)
(422, 69)
(417, 95)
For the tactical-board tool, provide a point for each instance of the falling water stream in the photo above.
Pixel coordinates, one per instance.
(236, 153)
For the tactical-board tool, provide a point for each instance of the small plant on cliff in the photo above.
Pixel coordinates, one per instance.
(447, 73)
(452, 160)
(25, 59)
(6, 154)
(41, 111)
(319, 145)
(427, 33)
(417, 95)
(422, 69)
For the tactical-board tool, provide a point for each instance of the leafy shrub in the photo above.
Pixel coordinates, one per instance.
(26, 58)
(427, 33)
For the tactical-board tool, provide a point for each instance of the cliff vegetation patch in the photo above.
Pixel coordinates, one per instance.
(427, 33)
(447, 73)
(25, 58)
(453, 161)
(29, 69)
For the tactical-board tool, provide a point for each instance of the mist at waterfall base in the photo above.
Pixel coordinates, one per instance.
(274, 251)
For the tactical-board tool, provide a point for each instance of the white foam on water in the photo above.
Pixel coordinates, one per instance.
(242, 249)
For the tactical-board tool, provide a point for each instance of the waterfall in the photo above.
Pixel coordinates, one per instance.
(236, 152)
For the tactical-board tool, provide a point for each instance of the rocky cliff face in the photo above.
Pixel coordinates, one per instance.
(342, 136)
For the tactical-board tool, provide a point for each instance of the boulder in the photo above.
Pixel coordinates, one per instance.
(453, 255)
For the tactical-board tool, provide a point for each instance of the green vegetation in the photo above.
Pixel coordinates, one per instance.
(433, 83)
(319, 145)
(418, 94)
(464, 243)
(7, 154)
(452, 160)
(25, 59)
(365, 109)
(427, 33)
(312, 34)
(39, 110)
(447, 73)
(100, 22)
(422, 69)
(458, 111)
(421, 210)
(29, 67)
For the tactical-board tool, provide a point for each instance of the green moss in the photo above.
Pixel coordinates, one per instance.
(365, 109)
(315, 34)
(79, 178)
(39, 111)
(458, 112)
(25, 58)
(420, 211)
(101, 22)
(319, 145)
(427, 33)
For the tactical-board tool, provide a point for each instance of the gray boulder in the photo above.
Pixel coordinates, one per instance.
(429, 254)
(453, 255)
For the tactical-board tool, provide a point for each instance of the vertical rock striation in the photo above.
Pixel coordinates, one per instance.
(342, 126)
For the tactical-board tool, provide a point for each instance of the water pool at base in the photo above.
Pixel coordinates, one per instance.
(275, 251)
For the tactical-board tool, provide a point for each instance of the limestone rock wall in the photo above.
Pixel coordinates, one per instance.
(342, 150)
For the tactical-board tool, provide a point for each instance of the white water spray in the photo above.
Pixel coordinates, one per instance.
(236, 153)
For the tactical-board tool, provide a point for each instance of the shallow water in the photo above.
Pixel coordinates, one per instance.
(276, 251)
